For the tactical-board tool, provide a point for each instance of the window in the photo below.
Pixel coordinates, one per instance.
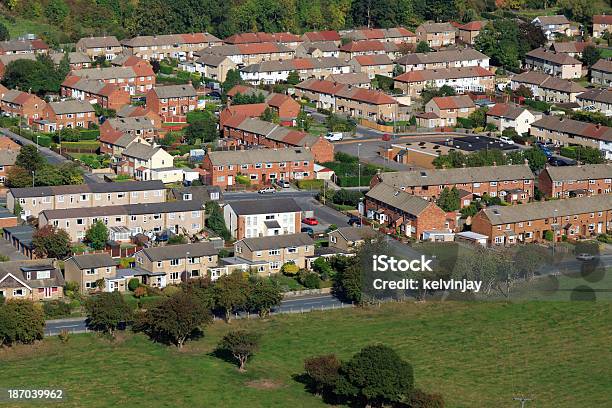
(174, 275)
(258, 253)
(90, 271)
(134, 194)
(275, 265)
(18, 292)
(175, 262)
(90, 285)
(43, 274)
(195, 214)
(79, 221)
(274, 252)
(291, 250)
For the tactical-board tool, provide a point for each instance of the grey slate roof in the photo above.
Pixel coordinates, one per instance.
(395, 198)
(278, 241)
(141, 151)
(461, 175)
(98, 42)
(130, 209)
(7, 157)
(437, 27)
(87, 188)
(596, 95)
(601, 65)
(175, 91)
(105, 73)
(131, 123)
(556, 20)
(546, 209)
(354, 234)
(73, 57)
(180, 251)
(89, 261)
(18, 269)
(270, 206)
(72, 106)
(466, 54)
(582, 172)
(8, 58)
(238, 157)
(211, 60)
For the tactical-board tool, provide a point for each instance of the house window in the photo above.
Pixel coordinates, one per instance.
(18, 292)
(175, 262)
(274, 252)
(90, 285)
(174, 275)
(90, 271)
(291, 250)
(258, 253)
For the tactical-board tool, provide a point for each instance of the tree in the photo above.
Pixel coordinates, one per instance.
(176, 318)
(4, 33)
(230, 292)
(72, 173)
(56, 11)
(324, 372)
(590, 55)
(204, 128)
(523, 91)
(177, 240)
(133, 284)
(21, 321)
(584, 154)
(347, 283)
(50, 242)
(29, 158)
(215, 220)
(106, 311)
(232, 79)
(263, 296)
(241, 344)
(577, 10)
(449, 199)
(269, 115)
(536, 158)
(479, 117)
(18, 177)
(322, 267)
(376, 376)
(38, 76)
(422, 399)
(97, 235)
(293, 78)
(422, 46)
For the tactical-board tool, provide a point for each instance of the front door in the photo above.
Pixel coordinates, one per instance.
(230, 180)
(599, 228)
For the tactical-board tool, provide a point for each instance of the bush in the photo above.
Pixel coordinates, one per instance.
(347, 197)
(56, 309)
(310, 280)
(548, 235)
(244, 180)
(290, 269)
(133, 284)
(165, 69)
(171, 290)
(140, 291)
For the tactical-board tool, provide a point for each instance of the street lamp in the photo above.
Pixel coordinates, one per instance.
(37, 145)
(358, 165)
(186, 258)
(32, 178)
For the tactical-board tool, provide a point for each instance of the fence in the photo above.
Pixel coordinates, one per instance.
(322, 291)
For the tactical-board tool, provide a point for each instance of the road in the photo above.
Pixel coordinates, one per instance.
(51, 156)
(300, 304)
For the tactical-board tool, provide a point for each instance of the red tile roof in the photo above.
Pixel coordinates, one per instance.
(360, 46)
(321, 86)
(366, 95)
(278, 99)
(453, 102)
(365, 60)
(302, 63)
(22, 98)
(473, 26)
(258, 48)
(142, 70)
(328, 35)
(108, 89)
(294, 137)
(249, 110)
(70, 80)
(238, 89)
(602, 19)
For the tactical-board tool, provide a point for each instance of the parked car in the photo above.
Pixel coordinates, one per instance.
(310, 221)
(507, 140)
(267, 190)
(545, 149)
(555, 161)
(334, 136)
(307, 230)
(354, 222)
(283, 183)
(585, 257)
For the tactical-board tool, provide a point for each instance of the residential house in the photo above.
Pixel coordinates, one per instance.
(553, 63)
(116, 134)
(448, 109)
(66, 114)
(7, 161)
(436, 35)
(403, 212)
(23, 46)
(33, 200)
(201, 194)
(467, 57)
(373, 65)
(357, 79)
(468, 79)
(573, 218)
(565, 132)
(106, 46)
(245, 90)
(349, 239)
(136, 79)
(172, 102)
(599, 100)
(398, 35)
(572, 48)
(601, 73)
(108, 96)
(132, 111)
(179, 46)
(76, 60)
(553, 25)
(288, 39)
(6, 59)
(258, 166)
(547, 88)
(214, 66)
(512, 183)
(601, 25)
(262, 218)
(179, 262)
(255, 132)
(248, 54)
(6, 143)
(317, 49)
(182, 217)
(468, 32)
(271, 72)
(511, 116)
(143, 162)
(322, 36)
(34, 280)
(368, 47)
(26, 105)
(284, 107)
(89, 269)
(270, 253)
(575, 181)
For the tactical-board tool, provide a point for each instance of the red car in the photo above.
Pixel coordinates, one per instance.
(310, 221)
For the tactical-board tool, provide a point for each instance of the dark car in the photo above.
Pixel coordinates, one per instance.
(354, 222)
(307, 230)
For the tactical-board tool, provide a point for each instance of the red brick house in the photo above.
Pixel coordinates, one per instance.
(576, 181)
(35, 46)
(136, 79)
(66, 114)
(17, 103)
(285, 107)
(259, 166)
(109, 96)
(117, 134)
(131, 111)
(172, 102)
(403, 212)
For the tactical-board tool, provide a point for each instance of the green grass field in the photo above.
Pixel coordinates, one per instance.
(475, 354)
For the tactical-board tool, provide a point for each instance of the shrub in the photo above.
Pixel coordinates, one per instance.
(310, 280)
(64, 336)
(170, 290)
(133, 284)
(548, 235)
(244, 180)
(290, 269)
(140, 291)
(56, 309)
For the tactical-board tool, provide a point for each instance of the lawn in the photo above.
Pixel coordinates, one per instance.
(475, 354)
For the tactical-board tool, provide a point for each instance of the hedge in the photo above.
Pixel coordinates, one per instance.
(309, 184)
(165, 69)
(240, 179)
(89, 134)
(44, 141)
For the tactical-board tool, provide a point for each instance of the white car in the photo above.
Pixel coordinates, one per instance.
(267, 190)
(334, 136)
(507, 140)
(585, 257)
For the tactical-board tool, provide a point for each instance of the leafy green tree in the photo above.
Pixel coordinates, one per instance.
(18, 177)
(479, 117)
(204, 128)
(269, 115)
(29, 158)
(215, 220)
(50, 242)
(177, 240)
(322, 267)
(263, 296)
(536, 157)
(4, 33)
(422, 46)
(230, 293)
(72, 173)
(293, 78)
(577, 10)
(584, 154)
(21, 321)
(106, 311)
(97, 235)
(56, 11)
(243, 99)
(324, 372)
(590, 55)
(241, 344)
(449, 199)
(232, 79)
(376, 376)
(176, 318)
(348, 282)
(133, 284)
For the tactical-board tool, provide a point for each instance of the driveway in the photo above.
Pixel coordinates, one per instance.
(7, 249)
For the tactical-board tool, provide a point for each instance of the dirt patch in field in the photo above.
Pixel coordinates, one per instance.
(265, 384)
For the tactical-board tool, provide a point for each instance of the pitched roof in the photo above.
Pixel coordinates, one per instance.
(353, 234)
(175, 91)
(8, 58)
(246, 49)
(367, 60)
(570, 46)
(329, 35)
(98, 42)
(473, 26)
(602, 19)
(574, 127)
(16, 97)
(212, 60)
(239, 157)
(278, 241)
(259, 37)
(453, 102)
(443, 73)
(131, 123)
(73, 57)
(344, 91)
(506, 110)
(169, 39)
(89, 261)
(395, 198)
(325, 46)
(582, 172)
(270, 206)
(597, 95)
(436, 57)
(113, 72)
(368, 45)
(26, 192)
(546, 209)
(8, 157)
(601, 65)
(548, 82)
(351, 78)
(554, 20)
(70, 106)
(180, 251)
(559, 58)
(130, 209)
(320, 86)
(436, 27)
(460, 175)
(18, 270)
(141, 151)
(23, 45)
(296, 64)
(246, 90)
(379, 33)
